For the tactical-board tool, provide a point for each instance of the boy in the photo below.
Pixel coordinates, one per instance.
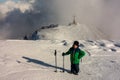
(75, 56)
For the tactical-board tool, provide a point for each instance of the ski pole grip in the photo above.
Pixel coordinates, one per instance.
(55, 53)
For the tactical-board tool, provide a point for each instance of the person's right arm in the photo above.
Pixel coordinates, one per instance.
(67, 53)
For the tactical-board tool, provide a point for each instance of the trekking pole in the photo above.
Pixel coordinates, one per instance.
(63, 64)
(55, 60)
(81, 60)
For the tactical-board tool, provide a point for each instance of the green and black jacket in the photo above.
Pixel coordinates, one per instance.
(75, 55)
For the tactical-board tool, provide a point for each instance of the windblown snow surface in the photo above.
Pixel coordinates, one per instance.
(34, 60)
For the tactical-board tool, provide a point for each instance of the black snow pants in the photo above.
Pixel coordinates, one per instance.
(74, 68)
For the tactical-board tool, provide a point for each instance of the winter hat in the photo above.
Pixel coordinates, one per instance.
(76, 43)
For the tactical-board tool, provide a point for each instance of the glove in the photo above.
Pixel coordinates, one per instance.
(63, 54)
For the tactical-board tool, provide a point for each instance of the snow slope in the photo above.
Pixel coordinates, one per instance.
(72, 32)
(34, 60)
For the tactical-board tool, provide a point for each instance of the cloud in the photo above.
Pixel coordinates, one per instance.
(9, 9)
(25, 16)
(10, 5)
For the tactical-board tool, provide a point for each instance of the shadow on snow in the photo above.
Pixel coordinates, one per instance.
(42, 63)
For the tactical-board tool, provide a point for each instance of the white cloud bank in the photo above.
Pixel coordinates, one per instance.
(26, 15)
(10, 5)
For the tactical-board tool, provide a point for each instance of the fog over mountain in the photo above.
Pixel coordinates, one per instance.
(18, 18)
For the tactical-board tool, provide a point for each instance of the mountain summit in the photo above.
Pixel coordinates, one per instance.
(71, 32)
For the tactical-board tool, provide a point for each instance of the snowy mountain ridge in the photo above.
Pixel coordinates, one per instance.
(70, 32)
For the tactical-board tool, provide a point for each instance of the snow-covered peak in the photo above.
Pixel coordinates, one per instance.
(71, 32)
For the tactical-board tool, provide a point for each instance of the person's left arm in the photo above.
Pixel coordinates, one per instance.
(81, 54)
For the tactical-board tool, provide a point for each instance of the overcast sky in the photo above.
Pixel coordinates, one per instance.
(20, 17)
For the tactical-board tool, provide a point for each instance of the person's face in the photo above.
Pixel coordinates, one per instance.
(75, 46)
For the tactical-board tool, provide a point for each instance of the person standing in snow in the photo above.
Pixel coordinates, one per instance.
(76, 55)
